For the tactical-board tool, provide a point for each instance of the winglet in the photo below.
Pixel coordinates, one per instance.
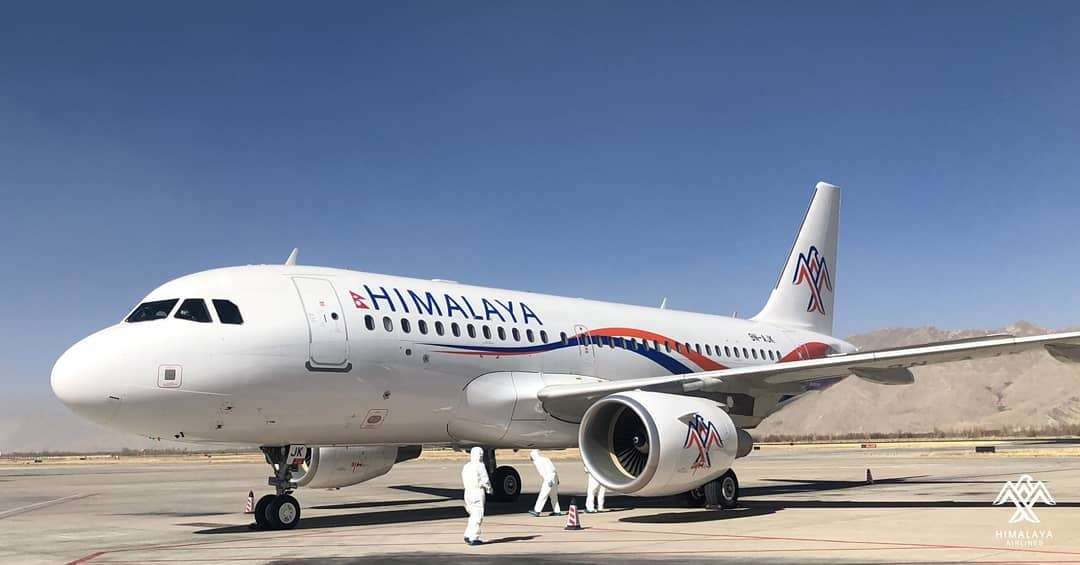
(663, 303)
(291, 261)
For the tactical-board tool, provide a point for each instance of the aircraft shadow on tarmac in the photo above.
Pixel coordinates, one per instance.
(413, 515)
(748, 508)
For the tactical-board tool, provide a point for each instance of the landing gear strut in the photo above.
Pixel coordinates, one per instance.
(505, 480)
(722, 492)
(280, 511)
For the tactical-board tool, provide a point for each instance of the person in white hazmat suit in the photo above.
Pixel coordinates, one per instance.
(594, 496)
(474, 478)
(549, 485)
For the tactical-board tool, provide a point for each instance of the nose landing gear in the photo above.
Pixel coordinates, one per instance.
(280, 511)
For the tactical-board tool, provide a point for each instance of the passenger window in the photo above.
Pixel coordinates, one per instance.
(439, 329)
(745, 353)
(422, 326)
(619, 343)
(697, 347)
(516, 333)
(529, 336)
(736, 352)
(667, 346)
(688, 348)
(472, 330)
(754, 352)
(387, 324)
(227, 312)
(563, 335)
(487, 332)
(405, 326)
(155, 310)
(455, 329)
(543, 336)
(708, 350)
(502, 333)
(369, 322)
(727, 351)
(771, 358)
(678, 347)
(193, 309)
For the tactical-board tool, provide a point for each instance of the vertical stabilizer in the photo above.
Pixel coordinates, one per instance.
(804, 294)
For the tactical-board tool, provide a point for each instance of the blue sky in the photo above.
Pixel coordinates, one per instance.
(615, 150)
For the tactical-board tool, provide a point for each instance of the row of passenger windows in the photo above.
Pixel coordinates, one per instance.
(456, 329)
(614, 342)
(655, 345)
(192, 309)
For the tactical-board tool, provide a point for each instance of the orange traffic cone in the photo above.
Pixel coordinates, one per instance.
(249, 506)
(869, 477)
(572, 522)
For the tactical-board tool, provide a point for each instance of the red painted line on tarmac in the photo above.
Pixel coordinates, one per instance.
(86, 558)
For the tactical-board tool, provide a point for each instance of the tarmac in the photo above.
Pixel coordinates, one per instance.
(928, 503)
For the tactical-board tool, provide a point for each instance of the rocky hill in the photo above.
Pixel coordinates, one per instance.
(1025, 391)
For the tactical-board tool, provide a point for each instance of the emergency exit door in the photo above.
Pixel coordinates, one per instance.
(328, 337)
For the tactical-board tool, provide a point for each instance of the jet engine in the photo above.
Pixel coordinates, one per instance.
(656, 444)
(336, 467)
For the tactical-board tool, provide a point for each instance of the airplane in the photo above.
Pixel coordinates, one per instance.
(337, 375)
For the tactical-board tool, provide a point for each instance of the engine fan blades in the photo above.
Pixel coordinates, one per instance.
(630, 443)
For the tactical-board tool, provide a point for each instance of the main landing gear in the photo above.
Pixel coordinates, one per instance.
(722, 492)
(505, 480)
(280, 511)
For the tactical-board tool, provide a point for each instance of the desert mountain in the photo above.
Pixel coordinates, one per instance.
(1025, 391)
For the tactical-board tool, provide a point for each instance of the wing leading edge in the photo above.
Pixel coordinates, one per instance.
(888, 366)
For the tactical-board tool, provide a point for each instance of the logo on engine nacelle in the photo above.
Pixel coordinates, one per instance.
(702, 434)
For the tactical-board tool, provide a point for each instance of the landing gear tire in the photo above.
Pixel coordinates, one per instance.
(506, 484)
(261, 522)
(283, 513)
(723, 492)
(696, 497)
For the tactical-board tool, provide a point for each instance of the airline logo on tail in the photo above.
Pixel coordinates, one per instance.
(702, 434)
(813, 270)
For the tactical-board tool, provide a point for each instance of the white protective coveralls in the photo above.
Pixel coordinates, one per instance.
(594, 496)
(474, 478)
(549, 486)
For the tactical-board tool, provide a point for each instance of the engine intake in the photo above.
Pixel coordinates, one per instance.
(656, 444)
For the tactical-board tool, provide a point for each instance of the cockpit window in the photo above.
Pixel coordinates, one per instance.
(227, 312)
(193, 309)
(154, 310)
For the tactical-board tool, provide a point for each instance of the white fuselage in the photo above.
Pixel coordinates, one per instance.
(329, 357)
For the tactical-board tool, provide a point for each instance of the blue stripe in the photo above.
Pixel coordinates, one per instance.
(666, 361)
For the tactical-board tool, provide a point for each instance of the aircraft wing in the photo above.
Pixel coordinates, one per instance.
(886, 366)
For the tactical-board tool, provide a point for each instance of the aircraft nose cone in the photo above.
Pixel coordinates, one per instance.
(75, 383)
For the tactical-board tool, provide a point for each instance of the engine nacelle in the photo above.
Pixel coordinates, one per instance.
(656, 444)
(336, 467)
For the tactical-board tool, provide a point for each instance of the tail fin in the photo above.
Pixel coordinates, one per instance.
(803, 296)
